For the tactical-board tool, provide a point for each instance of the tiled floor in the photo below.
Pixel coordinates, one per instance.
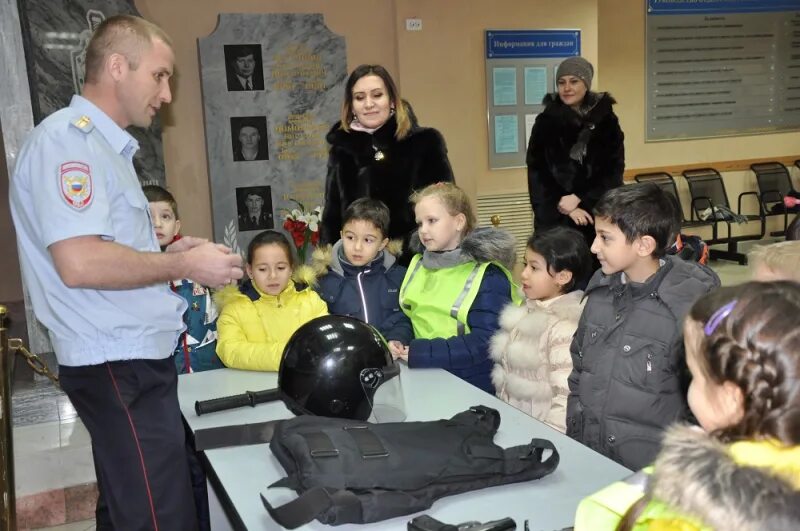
(52, 453)
(54, 473)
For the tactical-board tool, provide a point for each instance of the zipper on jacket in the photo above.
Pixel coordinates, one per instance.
(361, 293)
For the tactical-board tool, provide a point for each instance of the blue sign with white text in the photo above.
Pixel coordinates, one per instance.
(696, 7)
(502, 44)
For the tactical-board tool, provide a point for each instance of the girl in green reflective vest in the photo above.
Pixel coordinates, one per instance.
(455, 287)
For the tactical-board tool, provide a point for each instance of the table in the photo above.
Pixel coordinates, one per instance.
(239, 474)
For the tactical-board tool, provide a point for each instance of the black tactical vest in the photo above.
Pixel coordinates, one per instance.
(355, 472)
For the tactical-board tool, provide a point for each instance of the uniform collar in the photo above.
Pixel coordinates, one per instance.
(119, 139)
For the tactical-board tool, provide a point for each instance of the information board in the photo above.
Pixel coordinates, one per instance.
(722, 68)
(520, 70)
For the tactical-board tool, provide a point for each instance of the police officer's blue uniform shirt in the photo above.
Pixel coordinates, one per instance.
(75, 177)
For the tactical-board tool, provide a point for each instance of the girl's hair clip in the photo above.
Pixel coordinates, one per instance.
(718, 317)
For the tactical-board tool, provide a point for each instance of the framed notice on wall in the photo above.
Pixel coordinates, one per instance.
(520, 70)
(722, 68)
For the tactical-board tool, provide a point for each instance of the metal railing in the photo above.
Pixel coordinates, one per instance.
(8, 518)
(9, 347)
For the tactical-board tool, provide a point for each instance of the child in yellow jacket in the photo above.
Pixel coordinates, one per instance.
(258, 318)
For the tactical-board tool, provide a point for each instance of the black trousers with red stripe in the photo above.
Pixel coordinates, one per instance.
(130, 409)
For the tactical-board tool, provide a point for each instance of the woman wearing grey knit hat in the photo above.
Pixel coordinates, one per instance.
(575, 152)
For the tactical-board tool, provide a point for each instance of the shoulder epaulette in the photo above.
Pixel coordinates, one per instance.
(84, 123)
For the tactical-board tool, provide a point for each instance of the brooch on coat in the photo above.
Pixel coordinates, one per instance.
(379, 156)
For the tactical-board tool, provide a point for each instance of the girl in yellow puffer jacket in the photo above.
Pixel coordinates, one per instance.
(741, 471)
(258, 318)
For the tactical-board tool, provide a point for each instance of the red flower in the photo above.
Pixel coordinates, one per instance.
(297, 229)
(300, 232)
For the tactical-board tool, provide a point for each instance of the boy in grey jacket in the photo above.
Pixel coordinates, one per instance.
(629, 374)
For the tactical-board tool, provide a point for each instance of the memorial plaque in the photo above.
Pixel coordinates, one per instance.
(56, 33)
(722, 68)
(272, 87)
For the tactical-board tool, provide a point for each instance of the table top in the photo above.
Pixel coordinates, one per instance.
(244, 472)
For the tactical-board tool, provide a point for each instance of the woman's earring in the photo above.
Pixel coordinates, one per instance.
(391, 110)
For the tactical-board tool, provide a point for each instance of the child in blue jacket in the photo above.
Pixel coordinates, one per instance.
(360, 277)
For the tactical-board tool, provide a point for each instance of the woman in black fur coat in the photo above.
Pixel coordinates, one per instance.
(575, 153)
(377, 150)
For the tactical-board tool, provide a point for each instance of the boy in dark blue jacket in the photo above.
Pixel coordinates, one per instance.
(359, 277)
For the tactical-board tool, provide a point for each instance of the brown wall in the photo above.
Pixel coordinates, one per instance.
(440, 71)
(10, 279)
(621, 29)
(443, 72)
(368, 28)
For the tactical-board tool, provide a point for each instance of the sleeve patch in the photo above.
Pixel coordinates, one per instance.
(76, 184)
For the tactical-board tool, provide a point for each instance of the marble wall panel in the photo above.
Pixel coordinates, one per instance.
(278, 79)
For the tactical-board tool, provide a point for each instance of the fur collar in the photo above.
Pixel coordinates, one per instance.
(352, 138)
(481, 245)
(303, 277)
(327, 257)
(696, 475)
(383, 135)
(527, 323)
(595, 107)
(564, 306)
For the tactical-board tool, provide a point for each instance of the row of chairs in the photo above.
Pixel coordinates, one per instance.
(710, 206)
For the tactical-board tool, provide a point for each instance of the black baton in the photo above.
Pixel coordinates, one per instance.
(249, 398)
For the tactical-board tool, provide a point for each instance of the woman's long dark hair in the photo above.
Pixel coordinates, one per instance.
(401, 115)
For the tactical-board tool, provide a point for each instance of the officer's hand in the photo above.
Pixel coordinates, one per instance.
(213, 265)
(185, 243)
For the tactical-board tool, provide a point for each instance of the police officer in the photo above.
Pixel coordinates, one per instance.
(98, 282)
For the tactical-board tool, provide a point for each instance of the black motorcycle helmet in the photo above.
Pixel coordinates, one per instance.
(332, 366)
